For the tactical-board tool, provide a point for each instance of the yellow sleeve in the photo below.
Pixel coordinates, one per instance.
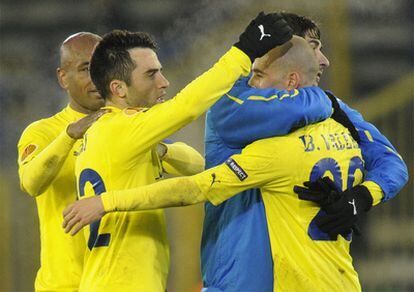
(41, 159)
(162, 120)
(375, 190)
(247, 170)
(181, 159)
(253, 168)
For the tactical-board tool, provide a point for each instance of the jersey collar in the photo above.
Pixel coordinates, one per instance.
(72, 114)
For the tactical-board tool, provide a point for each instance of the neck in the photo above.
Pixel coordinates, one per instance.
(77, 107)
(116, 102)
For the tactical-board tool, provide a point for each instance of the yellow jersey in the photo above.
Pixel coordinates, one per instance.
(304, 257)
(61, 256)
(128, 251)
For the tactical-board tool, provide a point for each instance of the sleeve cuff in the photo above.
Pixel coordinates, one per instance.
(375, 190)
(66, 139)
(108, 201)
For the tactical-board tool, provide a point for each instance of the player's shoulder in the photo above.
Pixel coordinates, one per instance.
(264, 147)
(49, 126)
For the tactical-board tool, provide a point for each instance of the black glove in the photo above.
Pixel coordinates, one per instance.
(342, 208)
(341, 117)
(264, 33)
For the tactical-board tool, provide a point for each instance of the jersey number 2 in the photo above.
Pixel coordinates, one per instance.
(91, 176)
(331, 165)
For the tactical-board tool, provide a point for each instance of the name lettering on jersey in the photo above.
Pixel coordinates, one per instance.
(27, 151)
(331, 142)
(238, 171)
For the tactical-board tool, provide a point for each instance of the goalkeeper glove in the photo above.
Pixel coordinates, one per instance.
(264, 33)
(342, 208)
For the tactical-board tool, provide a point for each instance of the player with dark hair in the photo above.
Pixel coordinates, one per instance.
(47, 152)
(129, 251)
(302, 261)
(231, 126)
(235, 240)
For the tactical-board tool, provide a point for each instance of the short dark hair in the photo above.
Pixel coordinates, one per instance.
(111, 59)
(302, 25)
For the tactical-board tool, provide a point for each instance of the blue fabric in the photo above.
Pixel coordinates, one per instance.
(383, 165)
(235, 252)
(235, 249)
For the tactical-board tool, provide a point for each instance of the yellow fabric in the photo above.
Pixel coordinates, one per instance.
(61, 255)
(276, 165)
(375, 190)
(182, 159)
(119, 150)
(173, 192)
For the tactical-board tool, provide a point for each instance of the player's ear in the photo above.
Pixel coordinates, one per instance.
(118, 88)
(293, 81)
(61, 76)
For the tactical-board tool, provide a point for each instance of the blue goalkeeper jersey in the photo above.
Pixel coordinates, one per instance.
(235, 250)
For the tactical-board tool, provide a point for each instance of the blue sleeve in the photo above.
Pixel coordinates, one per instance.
(383, 164)
(247, 114)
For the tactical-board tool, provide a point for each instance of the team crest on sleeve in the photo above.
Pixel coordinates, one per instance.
(238, 171)
(27, 151)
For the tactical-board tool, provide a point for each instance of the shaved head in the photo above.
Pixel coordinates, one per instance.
(74, 44)
(73, 73)
(276, 67)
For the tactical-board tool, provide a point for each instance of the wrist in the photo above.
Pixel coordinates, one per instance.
(363, 196)
(66, 139)
(250, 53)
(108, 201)
(70, 133)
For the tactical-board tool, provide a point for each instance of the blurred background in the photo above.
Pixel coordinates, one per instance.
(370, 45)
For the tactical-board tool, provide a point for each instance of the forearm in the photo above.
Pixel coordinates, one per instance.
(206, 89)
(192, 101)
(181, 159)
(37, 174)
(174, 192)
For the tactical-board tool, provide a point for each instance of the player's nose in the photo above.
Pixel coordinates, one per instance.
(163, 82)
(323, 61)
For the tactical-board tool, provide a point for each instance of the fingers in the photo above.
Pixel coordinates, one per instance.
(307, 195)
(67, 210)
(68, 215)
(330, 183)
(70, 223)
(96, 115)
(77, 227)
(334, 224)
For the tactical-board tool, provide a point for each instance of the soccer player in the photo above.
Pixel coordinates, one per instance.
(129, 251)
(47, 151)
(233, 123)
(227, 264)
(304, 257)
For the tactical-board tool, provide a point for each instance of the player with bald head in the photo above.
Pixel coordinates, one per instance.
(73, 73)
(274, 165)
(47, 151)
(290, 66)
